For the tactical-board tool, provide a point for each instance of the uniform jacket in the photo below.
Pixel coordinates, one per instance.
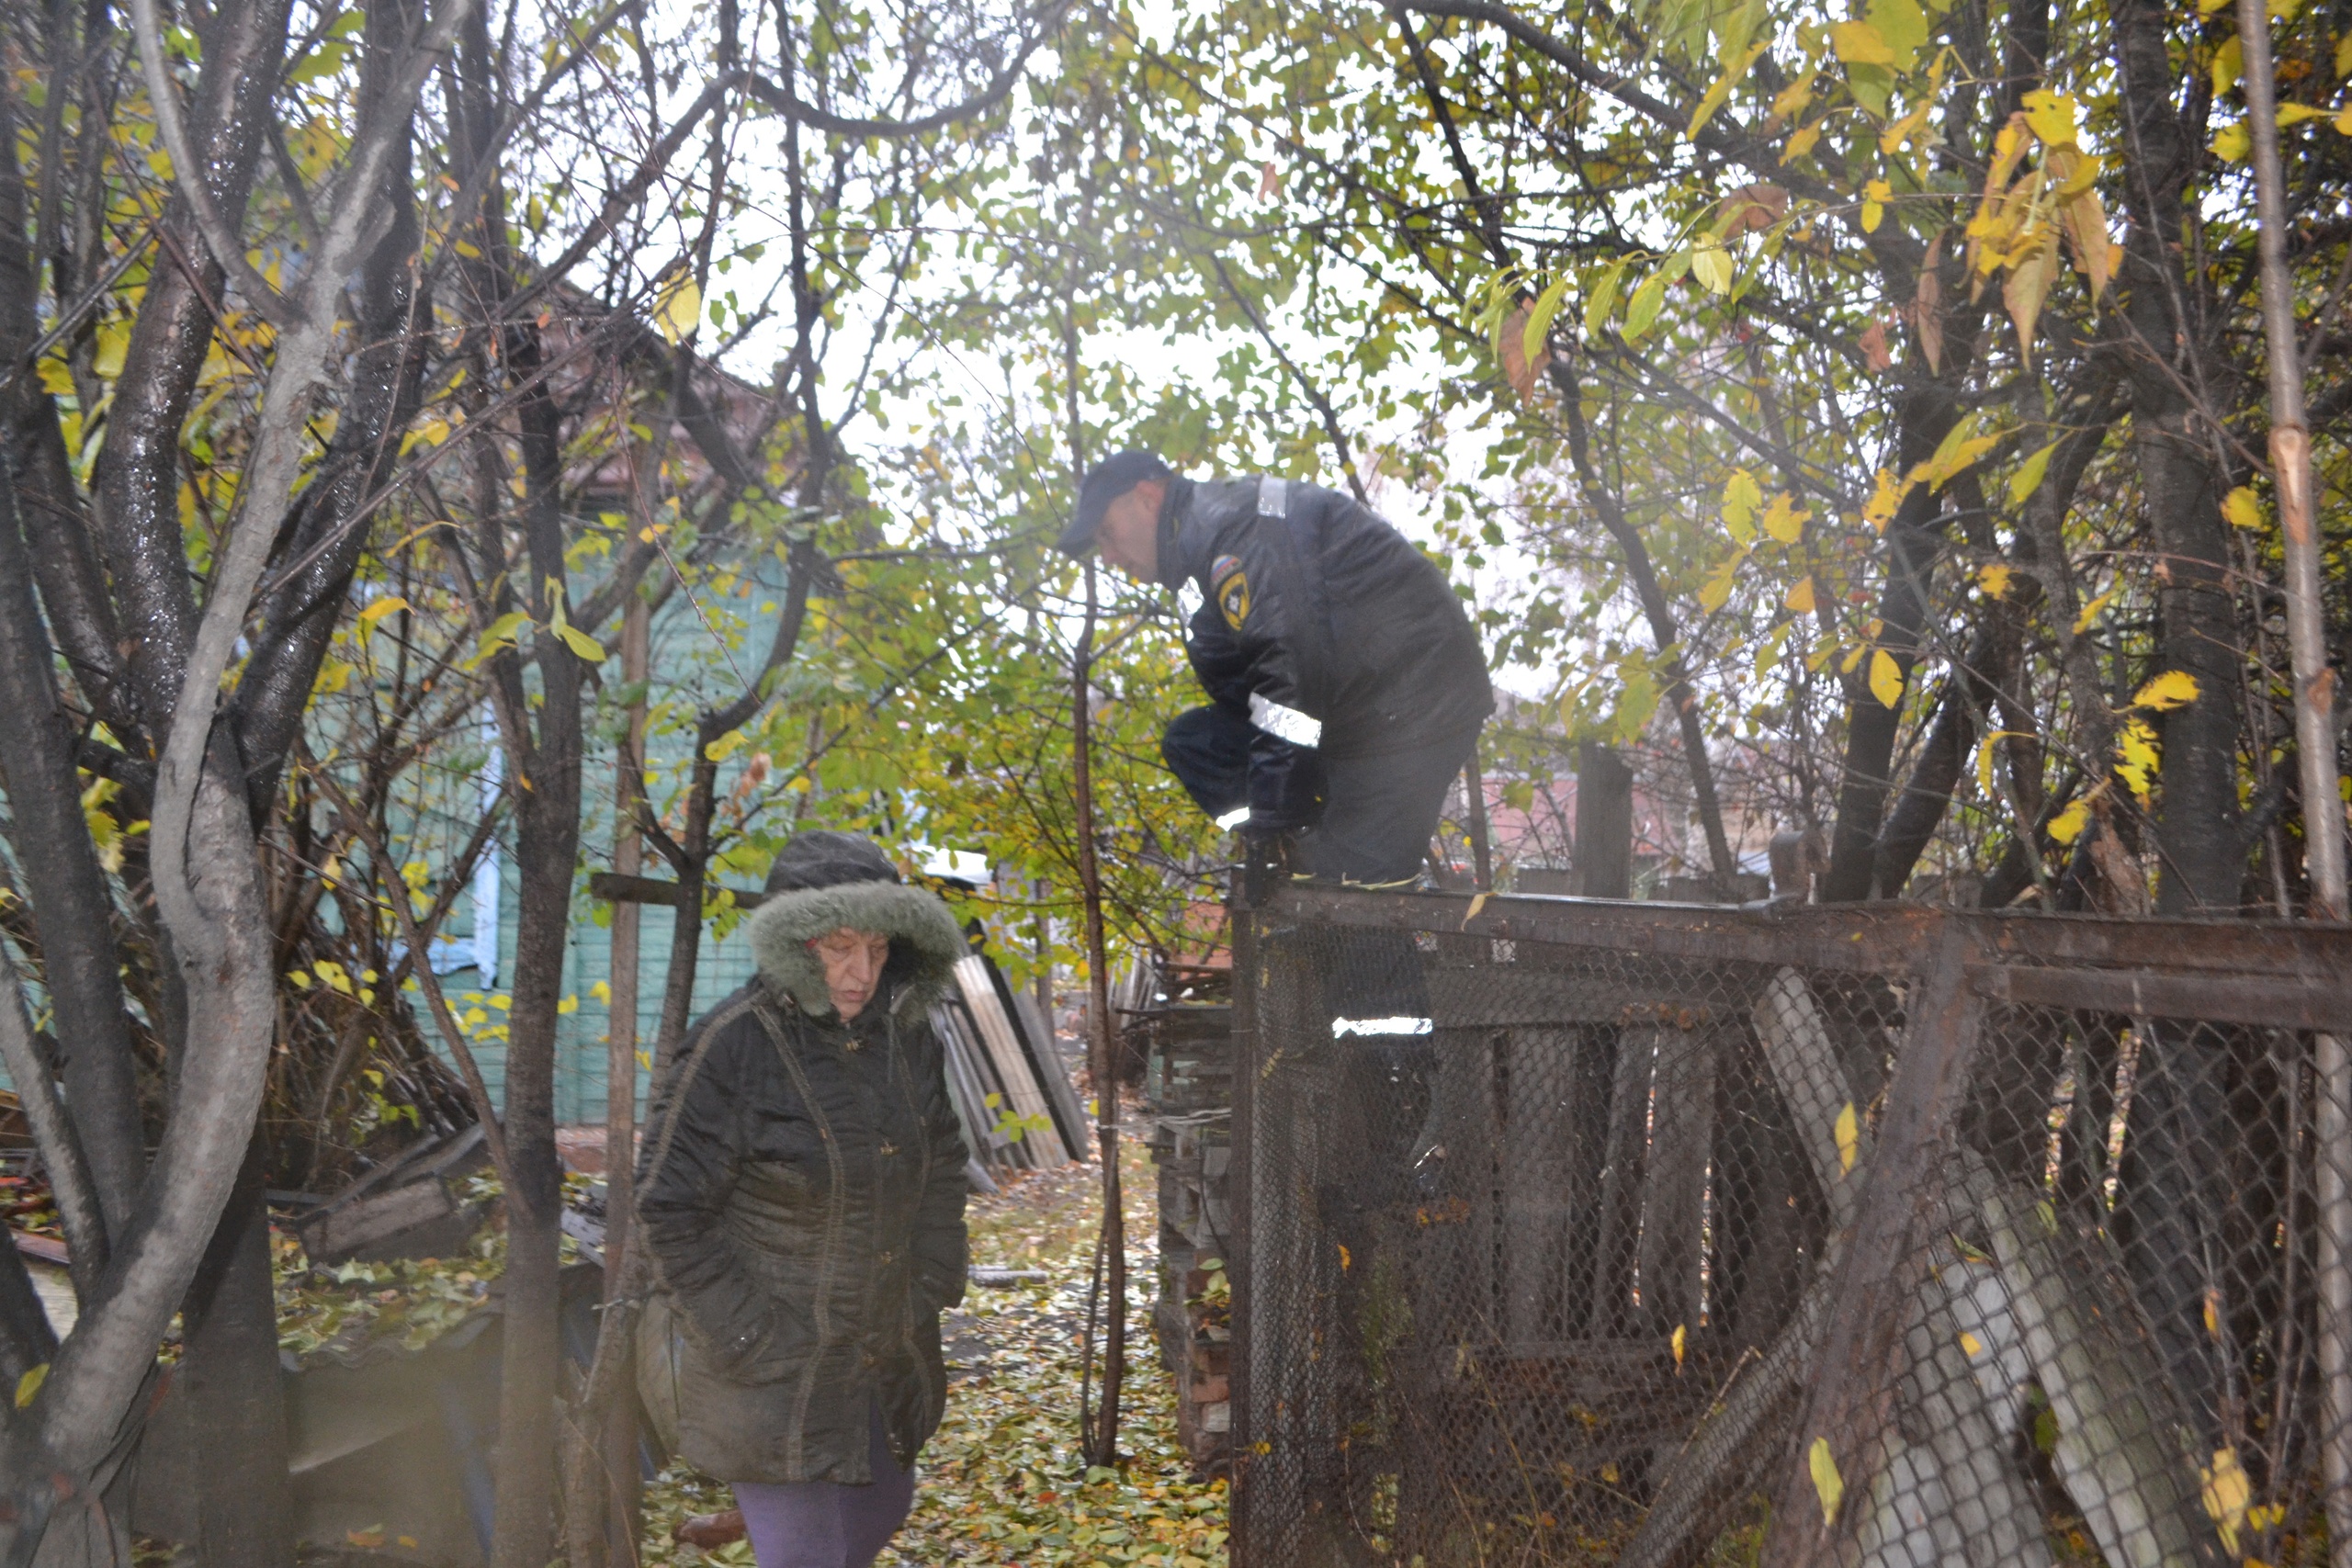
(801, 1193)
(1324, 624)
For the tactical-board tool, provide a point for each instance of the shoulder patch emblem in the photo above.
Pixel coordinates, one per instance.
(1233, 597)
(1223, 568)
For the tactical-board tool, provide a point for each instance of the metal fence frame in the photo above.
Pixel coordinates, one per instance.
(1954, 965)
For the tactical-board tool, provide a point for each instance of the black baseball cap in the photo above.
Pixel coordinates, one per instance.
(1109, 480)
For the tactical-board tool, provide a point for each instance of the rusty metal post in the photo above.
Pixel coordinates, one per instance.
(2291, 464)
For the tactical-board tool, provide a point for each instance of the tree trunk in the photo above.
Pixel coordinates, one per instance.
(230, 1376)
(2170, 364)
(67, 889)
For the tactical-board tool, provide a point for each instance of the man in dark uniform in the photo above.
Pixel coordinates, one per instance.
(1346, 685)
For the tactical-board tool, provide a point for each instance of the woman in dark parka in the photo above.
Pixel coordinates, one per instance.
(801, 1194)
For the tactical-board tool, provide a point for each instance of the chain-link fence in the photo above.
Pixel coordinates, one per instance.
(1575, 1232)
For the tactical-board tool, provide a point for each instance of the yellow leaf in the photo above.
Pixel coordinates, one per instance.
(1875, 196)
(1715, 591)
(2228, 64)
(2344, 119)
(2295, 114)
(1720, 91)
(1886, 679)
(1961, 447)
(1912, 126)
(1679, 1332)
(1993, 580)
(2231, 143)
(28, 1386)
(1794, 97)
(467, 249)
(2226, 1490)
(2026, 285)
(1783, 521)
(2173, 689)
(1970, 1344)
(1850, 1137)
(603, 991)
(2243, 508)
(1885, 501)
(2067, 826)
(1345, 1257)
(2050, 116)
(2027, 478)
(1858, 43)
(568, 1006)
(1712, 265)
(1825, 1479)
(2344, 55)
(1803, 138)
(2090, 612)
(1799, 598)
(114, 340)
(677, 309)
(725, 746)
(2136, 758)
(1742, 500)
(1471, 914)
(379, 609)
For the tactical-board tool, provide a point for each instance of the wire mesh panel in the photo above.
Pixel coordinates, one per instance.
(1579, 1233)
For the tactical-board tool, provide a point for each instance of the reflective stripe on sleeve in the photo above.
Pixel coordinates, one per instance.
(1234, 819)
(1273, 496)
(1284, 723)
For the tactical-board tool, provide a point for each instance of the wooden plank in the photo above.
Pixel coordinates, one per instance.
(2318, 1000)
(1674, 1177)
(1850, 1405)
(1021, 1085)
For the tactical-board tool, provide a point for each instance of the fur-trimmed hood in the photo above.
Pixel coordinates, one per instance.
(926, 941)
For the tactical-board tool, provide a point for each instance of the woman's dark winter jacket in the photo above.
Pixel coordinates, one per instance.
(1321, 623)
(801, 1191)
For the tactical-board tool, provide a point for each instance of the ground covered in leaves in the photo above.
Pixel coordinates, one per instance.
(1002, 1483)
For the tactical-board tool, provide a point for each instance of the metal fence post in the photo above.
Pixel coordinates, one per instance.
(1850, 1406)
(1243, 920)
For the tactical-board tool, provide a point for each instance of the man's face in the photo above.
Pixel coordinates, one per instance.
(1129, 538)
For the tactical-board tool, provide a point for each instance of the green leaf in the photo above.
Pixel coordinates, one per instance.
(28, 1386)
(1643, 311)
(499, 634)
(2027, 478)
(581, 643)
(1540, 316)
(1602, 302)
(1902, 27)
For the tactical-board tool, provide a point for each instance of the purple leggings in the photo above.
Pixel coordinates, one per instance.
(828, 1523)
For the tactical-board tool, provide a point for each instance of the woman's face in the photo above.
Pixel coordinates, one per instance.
(853, 962)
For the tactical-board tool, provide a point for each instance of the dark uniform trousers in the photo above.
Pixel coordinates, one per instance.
(1378, 812)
